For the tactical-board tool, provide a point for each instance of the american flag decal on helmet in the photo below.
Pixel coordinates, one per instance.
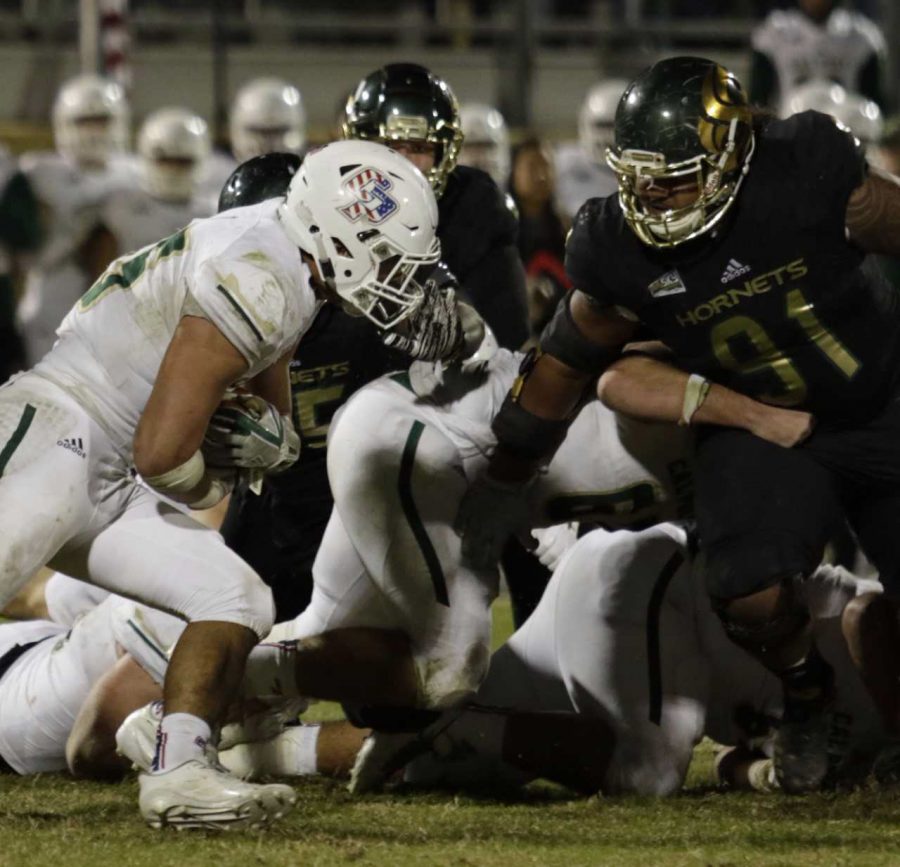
(372, 200)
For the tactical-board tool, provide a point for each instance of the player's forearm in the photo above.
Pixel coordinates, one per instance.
(652, 390)
(550, 392)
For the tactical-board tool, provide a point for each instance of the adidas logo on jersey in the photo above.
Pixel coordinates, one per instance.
(73, 444)
(733, 270)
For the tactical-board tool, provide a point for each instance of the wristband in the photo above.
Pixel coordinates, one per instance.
(695, 393)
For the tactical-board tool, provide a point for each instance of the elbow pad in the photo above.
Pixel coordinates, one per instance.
(563, 340)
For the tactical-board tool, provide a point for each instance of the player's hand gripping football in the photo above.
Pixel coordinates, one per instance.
(248, 432)
(434, 330)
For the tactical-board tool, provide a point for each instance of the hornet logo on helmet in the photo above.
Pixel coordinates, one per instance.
(372, 200)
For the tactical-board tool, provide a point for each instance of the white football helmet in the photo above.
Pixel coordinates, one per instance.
(486, 141)
(860, 115)
(267, 116)
(173, 144)
(90, 119)
(368, 217)
(597, 116)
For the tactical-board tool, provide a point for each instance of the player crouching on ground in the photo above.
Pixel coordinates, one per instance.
(622, 669)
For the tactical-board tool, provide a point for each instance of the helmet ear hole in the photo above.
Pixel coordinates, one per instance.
(341, 250)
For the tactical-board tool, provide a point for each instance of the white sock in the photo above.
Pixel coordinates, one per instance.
(181, 738)
(271, 670)
(289, 754)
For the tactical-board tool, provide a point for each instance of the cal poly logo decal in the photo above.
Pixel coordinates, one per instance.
(372, 192)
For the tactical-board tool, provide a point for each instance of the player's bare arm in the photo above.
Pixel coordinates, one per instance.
(873, 214)
(274, 383)
(653, 390)
(198, 366)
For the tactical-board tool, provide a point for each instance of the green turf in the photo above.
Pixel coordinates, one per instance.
(51, 820)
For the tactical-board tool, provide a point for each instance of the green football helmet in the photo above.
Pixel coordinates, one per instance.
(683, 118)
(406, 102)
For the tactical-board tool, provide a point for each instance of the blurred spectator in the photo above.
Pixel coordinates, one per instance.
(816, 40)
(542, 231)
(486, 141)
(581, 166)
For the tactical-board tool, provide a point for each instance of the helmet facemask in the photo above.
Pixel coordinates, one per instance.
(717, 176)
(684, 121)
(393, 293)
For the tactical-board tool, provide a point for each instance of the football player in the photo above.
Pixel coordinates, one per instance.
(396, 621)
(67, 682)
(485, 141)
(267, 116)
(618, 674)
(173, 147)
(817, 40)
(741, 244)
(581, 169)
(141, 364)
(415, 113)
(90, 130)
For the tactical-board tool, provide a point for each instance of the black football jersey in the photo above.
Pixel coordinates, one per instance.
(775, 302)
(478, 231)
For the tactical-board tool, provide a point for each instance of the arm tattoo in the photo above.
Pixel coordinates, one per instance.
(873, 214)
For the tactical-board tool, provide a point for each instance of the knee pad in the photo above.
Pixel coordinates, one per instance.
(789, 617)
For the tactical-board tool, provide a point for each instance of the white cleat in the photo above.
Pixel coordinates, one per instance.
(197, 795)
(136, 737)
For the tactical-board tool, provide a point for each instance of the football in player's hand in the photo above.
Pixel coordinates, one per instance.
(249, 432)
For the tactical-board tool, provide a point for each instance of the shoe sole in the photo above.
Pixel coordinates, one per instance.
(254, 815)
(180, 817)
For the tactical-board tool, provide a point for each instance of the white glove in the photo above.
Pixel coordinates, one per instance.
(247, 431)
(433, 331)
(490, 512)
(553, 542)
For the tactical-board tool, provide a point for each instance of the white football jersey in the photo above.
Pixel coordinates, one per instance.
(70, 199)
(579, 178)
(238, 269)
(610, 469)
(136, 219)
(801, 50)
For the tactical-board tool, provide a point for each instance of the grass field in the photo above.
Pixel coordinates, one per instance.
(51, 820)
